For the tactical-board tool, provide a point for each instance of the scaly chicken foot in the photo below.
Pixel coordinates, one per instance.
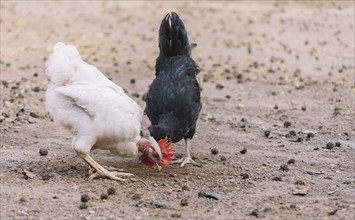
(187, 157)
(92, 170)
(185, 160)
(101, 171)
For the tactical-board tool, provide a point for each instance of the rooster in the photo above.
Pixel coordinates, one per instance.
(173, 101)
(98, 112)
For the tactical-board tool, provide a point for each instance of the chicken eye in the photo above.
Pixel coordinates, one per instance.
(156, 155)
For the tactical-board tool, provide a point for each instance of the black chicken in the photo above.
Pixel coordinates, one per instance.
(173, 101)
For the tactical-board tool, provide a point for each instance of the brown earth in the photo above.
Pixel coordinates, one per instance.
(263, 63)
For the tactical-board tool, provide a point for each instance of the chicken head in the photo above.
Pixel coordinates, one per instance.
(150, 155)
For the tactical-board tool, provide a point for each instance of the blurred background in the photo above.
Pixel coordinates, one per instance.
(230, 35)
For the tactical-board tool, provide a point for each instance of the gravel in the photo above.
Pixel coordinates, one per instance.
(43, 151)
(291, 161)
(84, 198)
(267, 133)
(214, 151)
(330, 145)
(287, 124)
(284, 167)
(103, 196)
(111, 191)
(244, 151)
(184, 202)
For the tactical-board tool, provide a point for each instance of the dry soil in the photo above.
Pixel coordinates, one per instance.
(277, 78)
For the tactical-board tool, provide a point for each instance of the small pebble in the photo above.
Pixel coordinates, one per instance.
(291, 161)
(111, 191)
(284, 167)
(310, 135)
(219, 86)
(243, 151)
(175, 215)
(267, 133)
(211, 195)
(287, 124)
(337, 111)
(292, 133)
(330, 145)
(303, 108)
(240, 78)
(214, 151)
(333, 212)
(245, 176)
(300, 182)
(184, 202)
(277, 178)
(103, 196)
(255, 213)
(293, 206)
(223, 158)
(337, 144)
(43, 151)
(33, 115)
(132, 81)
(157, 204)
(36, 89)
(84, 198)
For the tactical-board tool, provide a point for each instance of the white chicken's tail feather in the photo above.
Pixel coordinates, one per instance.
(62, 63)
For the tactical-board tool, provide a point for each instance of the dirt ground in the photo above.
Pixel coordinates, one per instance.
(278, 80)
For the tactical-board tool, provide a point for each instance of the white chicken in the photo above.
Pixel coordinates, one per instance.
(98, 112)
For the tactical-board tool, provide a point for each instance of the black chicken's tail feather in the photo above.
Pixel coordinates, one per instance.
(173, 40)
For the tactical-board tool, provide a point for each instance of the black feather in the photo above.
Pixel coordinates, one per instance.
(173, 101)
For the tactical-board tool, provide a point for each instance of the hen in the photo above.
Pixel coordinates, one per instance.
(173, 100)
(98, 112)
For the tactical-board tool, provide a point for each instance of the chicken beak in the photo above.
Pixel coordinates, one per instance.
(154, 144)
(159, 167)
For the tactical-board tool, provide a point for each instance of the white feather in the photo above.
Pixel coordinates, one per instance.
(81, 98)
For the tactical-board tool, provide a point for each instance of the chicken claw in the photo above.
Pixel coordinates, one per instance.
(115, 169)
(185, 160)
(111, 175)
(187, 157)
(101, 171)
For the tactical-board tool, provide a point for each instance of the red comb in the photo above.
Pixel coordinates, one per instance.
(167, 154)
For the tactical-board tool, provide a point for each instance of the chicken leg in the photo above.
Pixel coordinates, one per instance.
(101, 171)
(187, 157)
